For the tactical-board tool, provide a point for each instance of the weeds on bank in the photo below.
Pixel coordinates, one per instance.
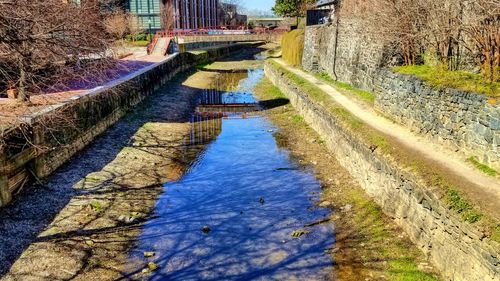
(463, 208)
(96, 206)
(482, 167)
(363, 95)
(442, 78)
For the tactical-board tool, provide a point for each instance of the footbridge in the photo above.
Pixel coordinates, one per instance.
(166, 42)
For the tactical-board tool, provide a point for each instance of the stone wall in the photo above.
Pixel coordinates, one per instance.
(462, 121)
(456, 248)
(355, 55)
(465, 122)
(48, 139)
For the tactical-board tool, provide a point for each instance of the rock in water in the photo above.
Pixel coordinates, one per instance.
(152, 266)
(149, 254)
(206, 229)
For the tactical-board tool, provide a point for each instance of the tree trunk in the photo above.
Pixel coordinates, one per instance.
(23, 96)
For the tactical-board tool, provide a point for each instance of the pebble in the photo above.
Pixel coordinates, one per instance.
(325, 204)
(206, 229)
(152, 266)
(347, 208)
(149, 254)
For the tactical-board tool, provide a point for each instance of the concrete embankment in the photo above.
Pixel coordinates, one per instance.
(457, 248)
(49, 138)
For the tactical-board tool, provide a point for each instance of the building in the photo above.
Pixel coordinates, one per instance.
(323, 12)
(229, 16)
(174, 14)
(266, 22)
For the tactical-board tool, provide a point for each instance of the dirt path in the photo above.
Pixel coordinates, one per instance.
(487, 193)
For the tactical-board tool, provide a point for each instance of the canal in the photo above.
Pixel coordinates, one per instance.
(244, 209)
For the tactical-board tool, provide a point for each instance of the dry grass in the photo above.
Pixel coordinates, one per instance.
(292, 45)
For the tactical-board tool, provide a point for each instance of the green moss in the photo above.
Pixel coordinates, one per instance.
(442, 78)
(139, 43)
(93, 180)
(482, 167)
(363, 95)
(292, 46)
(202, 65)
(405, 269)
(495, 236)
(96, 206)
(462, 207)
(297, 119)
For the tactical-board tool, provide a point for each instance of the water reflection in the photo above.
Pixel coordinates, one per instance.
(248, 196)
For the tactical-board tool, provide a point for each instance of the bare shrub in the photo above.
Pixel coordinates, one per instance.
(442, 30)
(43, 43)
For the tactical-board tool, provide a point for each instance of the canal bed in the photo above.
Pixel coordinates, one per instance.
(244, 210)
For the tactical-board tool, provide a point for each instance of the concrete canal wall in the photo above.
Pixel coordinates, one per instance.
(46, 140)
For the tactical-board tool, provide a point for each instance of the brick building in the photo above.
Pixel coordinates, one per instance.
(178, 14)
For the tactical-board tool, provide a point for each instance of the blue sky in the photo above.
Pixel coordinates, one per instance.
(258, 4)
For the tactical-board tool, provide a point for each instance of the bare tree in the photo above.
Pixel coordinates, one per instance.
(46, 42)
(443, 30)
(482, 25)
(134, 26)
(229, 9)
(116, 24)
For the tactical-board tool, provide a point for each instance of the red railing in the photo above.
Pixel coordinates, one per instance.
(209, 31)
(217, 30)
(152, 46)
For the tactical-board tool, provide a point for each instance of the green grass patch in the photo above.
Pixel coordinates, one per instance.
(362, 94)
(317, 94)
(401, 265)
(405, 269)
(292, 46)
(442, 78)
(96, 206)
(482, 167)
(297, 118)
(462, 207)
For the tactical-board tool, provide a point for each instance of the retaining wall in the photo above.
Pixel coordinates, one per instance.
(455, 247)
(462, 121)
(48, 139)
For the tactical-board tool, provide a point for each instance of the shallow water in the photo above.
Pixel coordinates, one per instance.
(251, 195)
